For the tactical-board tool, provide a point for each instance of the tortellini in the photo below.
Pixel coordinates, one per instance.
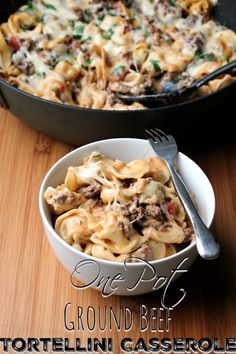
(61, 199)
(169, 233)
(134, 169)
(115, 210)
(73, 227)
(5, 54)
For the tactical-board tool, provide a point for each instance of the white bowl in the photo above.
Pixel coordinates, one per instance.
(134, 278)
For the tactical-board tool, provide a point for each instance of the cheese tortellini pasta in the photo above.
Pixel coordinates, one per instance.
(114, 210)
(83, 53)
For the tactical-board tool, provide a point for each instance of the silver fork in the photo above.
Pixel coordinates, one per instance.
(166, 148)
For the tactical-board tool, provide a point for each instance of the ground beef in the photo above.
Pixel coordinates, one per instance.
(29, 43)
(64, 199)
(79, 14)
(90, 191)
(132, 210)
(129, 26)
(68, 40)
(24, 65)
(153, 210)
(194, 41)
(192, 20)
(138, 89)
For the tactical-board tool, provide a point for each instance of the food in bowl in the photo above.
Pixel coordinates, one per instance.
(85, 52)
(114, 210)
(97, 272)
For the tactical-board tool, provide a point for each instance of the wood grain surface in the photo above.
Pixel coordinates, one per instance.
(34, 286)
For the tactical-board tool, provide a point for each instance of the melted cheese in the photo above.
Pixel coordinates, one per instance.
(104, 225)
(146, 6)
(110, 47)
(61, 10)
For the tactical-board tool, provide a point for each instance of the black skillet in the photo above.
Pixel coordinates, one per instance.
(79, 126)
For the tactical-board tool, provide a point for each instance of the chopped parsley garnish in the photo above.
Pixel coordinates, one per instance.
(146, 33)
(119, 70)
(84, 67)
(41, 74)
(101, 17)
(72, 23)
(77, 36)
(113, 13)
(53, 60)
(87, 16)
(155, 64)
(108, 34)
(79, 32)
(23, 27)
(224, 59)
(53, 57)
(79, 29)
(128, 3)
(205, 56)
(88, 39)
(88, 61)
(132, 16)
(172, 3)
(138, 27)
(109, 7)
(39, 19)
(30, 5)
(151, 1)
(211, 57)
(48, 6)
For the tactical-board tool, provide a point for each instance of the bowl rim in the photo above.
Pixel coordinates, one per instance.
(54, 234)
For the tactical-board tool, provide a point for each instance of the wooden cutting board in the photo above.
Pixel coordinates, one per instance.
(35, 287)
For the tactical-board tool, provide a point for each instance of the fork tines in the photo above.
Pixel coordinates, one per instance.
(156, 134)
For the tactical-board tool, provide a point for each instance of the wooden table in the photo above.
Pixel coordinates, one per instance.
(35, 287)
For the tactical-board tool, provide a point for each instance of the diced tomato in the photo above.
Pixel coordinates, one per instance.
(76, 44)
(171, 208)
(62, 86)
(15, 43)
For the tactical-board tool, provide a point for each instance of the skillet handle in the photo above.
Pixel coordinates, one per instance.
(3, 102)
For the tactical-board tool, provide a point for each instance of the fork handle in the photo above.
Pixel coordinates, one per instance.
(207, 246)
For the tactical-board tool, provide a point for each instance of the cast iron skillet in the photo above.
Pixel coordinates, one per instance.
(79, 126)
